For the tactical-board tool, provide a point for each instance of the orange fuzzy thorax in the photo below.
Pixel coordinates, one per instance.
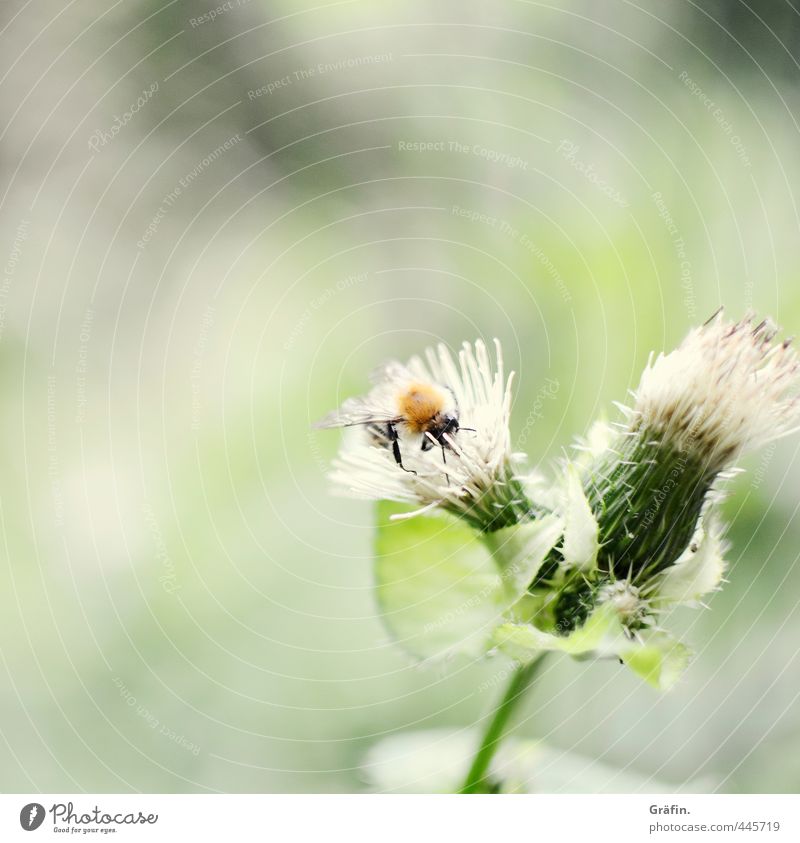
(419, 404)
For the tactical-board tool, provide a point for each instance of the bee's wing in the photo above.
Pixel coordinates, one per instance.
(390, 373)
(358, 411)
(379, 405)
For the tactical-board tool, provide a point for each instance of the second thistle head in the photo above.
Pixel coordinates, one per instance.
(727, 389)
(640, 534)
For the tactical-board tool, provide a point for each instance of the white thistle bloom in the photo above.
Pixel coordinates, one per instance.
(728, 388)
(466, 469)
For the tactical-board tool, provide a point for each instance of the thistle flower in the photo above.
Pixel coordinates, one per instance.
(628, 532)
(640, 532)
(434, 433)
(727, 389)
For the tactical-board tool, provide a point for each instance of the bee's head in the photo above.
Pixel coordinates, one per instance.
(445, 424)
(449, 424)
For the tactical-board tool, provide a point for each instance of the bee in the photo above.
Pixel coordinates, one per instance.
(402, 403)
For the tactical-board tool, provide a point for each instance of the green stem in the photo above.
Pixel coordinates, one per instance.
(520, 682)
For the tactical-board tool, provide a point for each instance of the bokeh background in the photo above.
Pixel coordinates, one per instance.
(216, 220)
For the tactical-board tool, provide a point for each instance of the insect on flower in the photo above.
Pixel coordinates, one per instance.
(402, 406)
(423, 404)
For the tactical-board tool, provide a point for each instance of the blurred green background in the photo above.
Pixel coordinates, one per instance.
(216, 220)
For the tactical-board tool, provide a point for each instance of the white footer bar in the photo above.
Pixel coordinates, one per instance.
(400, 819)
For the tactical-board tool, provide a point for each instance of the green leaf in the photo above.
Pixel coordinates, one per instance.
(653, 655)
(438, 587)
(522, 642)
(698, 571)
(581, 531)
(659, 659)
(520, 551)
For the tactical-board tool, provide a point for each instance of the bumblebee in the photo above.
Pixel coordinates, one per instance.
(402, 406)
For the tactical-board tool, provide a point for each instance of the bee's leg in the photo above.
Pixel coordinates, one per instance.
(398, 457)
(391, 432)
(444, 460)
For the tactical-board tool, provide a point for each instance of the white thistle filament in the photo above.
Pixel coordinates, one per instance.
(468, 475)
(728, 388)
